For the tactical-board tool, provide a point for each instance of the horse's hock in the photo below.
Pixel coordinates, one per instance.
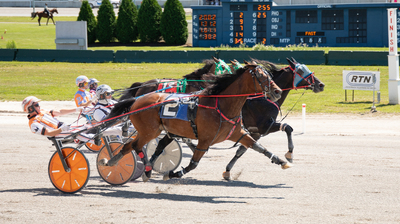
(71, 35)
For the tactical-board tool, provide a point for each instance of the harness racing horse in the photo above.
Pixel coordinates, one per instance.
(259, 114)
(217, 118)
(44, 15)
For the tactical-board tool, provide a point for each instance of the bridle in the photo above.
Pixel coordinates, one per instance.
(256, 78)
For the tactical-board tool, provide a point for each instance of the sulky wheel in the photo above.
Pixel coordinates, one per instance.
(93, 147)
(122, 172)
(169, 159)
(139, 167)
(76, 178)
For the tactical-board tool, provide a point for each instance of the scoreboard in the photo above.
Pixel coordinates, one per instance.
(250, 22)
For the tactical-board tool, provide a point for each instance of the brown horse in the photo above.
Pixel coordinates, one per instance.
(217, 118)
(44, 15)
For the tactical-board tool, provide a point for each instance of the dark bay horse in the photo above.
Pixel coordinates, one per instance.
(44, 15)
(259, 114)
(217, 117)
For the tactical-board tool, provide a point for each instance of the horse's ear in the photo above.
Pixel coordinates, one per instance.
(215, 59)
(245, 62)
(291, 63)
(232, 62)
(294, 60)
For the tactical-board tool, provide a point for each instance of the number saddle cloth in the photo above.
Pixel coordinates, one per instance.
(182, 107)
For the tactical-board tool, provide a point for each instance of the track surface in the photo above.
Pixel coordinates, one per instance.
(346, 170)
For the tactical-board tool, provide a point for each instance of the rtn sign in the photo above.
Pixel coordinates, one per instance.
(361, 80)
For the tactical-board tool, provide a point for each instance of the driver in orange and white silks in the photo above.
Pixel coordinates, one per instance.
(43, 122)
(82, 97)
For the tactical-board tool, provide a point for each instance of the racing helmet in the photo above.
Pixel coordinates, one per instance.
(102, 91)
(92, 83)
(27, 104)
(80, 81)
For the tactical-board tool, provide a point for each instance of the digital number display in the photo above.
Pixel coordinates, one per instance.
(238, 27)
(262, 7)
(208, 27)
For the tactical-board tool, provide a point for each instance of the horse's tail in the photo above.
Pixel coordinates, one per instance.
(121, 108)
(131, 91)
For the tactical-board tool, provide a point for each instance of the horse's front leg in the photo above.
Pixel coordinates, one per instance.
(39, 20)
(288, 129)
(197, 155)
(239, 152)
(53, 21)
(247, 141)
(47, 23)
(274, 127)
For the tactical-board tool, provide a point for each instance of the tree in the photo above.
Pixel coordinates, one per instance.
(86, 14)
(126, 30)
(105, 22)
(149, 19)
(173, 23)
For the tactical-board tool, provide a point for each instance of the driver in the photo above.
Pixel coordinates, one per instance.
(82, 97)
(43, 122)
(103, 108)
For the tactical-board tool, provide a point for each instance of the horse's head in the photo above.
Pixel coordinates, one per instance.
(264, 79)
(304, 78)
(54, 11)
(221, 67)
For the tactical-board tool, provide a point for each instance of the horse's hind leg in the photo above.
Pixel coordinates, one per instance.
(197, 155)
(160, 147)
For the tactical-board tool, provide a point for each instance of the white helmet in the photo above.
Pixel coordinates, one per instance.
(102, 91)
(28, 102)
(80, 81)
(92, 81)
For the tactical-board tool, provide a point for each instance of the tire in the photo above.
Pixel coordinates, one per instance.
(139, 167)
(122, 172)
(169, 159)
(73, 181)
(93, 147)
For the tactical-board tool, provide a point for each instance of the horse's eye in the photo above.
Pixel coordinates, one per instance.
(301, 72)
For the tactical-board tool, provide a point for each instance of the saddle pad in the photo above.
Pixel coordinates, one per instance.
(176, 109)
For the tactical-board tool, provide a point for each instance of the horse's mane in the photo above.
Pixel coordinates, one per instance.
(223, 81)
(199, 73)
(269, 66)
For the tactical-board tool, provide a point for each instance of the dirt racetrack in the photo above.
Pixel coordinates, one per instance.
(346, 170)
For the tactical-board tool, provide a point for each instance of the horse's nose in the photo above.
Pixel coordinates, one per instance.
(321, 85)
(278, 91)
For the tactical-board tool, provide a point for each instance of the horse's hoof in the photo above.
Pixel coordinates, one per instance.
(145, 178)
(226, 175)
(103, 162)
(289, 157)
(166, 176)
(286, 165)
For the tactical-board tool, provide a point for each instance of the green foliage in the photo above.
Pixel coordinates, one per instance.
(126, 30)
(86, 14)
(11, 45)
(105, 22)
(149, 20)
(173, 23)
